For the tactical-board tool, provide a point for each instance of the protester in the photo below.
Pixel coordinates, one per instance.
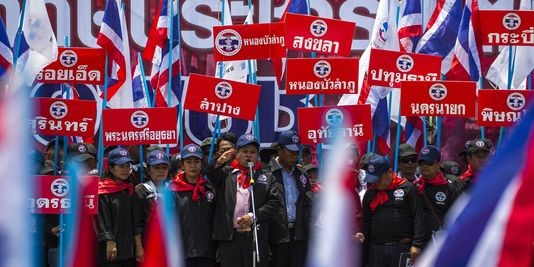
(437, 193)
(195, 199)
(393, 227)
(313, 175)
(289, 231)
(306, 156)
(407, 162)
(146, 195)
(115, 222)
(233, 221)
(476, 154)
(225, 142)
(268, 153)
(175, 166)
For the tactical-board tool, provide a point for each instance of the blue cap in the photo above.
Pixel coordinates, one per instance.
(429, 154)
(290, 140)
(156, 157)
(376, 167)
(191, 150)
(119, 156)
(247, 139)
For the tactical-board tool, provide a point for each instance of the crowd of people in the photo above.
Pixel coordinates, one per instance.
(220, 202)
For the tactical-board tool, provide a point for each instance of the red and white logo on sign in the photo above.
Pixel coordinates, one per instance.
(405, 63)
(318, 28)
(322, 69)
(223, 90)
(58, 110)
(228, 42)
(59, 187)
(334, 117)
(516, 101)
(68, 58)
(139, 119)
(511, 21)
(437, 91)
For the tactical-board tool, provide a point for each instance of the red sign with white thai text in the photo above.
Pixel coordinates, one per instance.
(443, 98)
(502, 108)
(223, 97)
(54, 116)
(389, 68)
(75, 65)
(506, 27)
(249, 41)
(52, 194)
(139, 126)
(323, 124)
(320, 35)
(322, 76)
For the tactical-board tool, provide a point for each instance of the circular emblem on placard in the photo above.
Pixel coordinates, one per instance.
(425, 150)
(479, 143)
(192, 149)
(334, 117)
(58, 110)
(59, 187)
(223, 90)
(139, 119)
(318, 28)
(68, 58)
(322, 69)
(371, 169)
(82, 149)
(398, 193)
(381, 34)
(228, 42)
(511, 21)
(440, 196)
(515, 101)
(437, 91)
(123, 152)
(405, 63)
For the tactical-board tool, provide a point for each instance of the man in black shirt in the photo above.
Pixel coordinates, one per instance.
(393, 219)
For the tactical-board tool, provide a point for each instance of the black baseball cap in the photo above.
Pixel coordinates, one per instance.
(290, 140)
(376, 167)
(247, 139)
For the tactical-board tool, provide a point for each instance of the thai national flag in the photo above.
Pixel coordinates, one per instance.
(465, 64)
(113, 37)
(139, 88)
(6, 55)
(441, 32)
(158, 51)
(410, 25)
(493, 224)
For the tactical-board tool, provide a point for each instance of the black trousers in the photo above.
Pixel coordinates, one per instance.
(238, 251)
(199, 262)
(289, 254)
(388, 255)
(123, 263)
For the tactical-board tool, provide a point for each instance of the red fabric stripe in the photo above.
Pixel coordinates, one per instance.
(457, 71)
(519, 236)
(115, 54)
(155, 241)
(155, 38)
(435, 14)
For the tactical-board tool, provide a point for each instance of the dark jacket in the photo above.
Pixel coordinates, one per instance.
(115, 223)
(143, 202)
(267, 196)
(196, 222)
(279, 232)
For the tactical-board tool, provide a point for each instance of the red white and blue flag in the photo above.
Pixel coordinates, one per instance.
(6, 55)
(492, 225)
(158, 52)
(113, 37)
(410, 25)
(139, 87)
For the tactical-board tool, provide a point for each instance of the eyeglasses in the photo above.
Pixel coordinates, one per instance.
(426, 163)
(408, 160)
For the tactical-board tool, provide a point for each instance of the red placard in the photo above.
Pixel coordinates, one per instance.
(75, 65)
(502, 108)
(250, 41)
(389, 68)
(322, 76)
(317, 125)
(223, 97)
(320, 35)
(443, 98)
(507, 27)
(52, 192)
(54, 116)
(139, 126)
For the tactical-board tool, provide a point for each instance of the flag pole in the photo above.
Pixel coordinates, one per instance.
(399, 117)
(482, 129)
(143, 79)
(511, 67)
(101, 130)
(170, 8)
(252, 78)
(180, 106)
(19, 35)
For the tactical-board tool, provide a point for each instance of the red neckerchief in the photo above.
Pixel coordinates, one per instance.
(420, 183)
(109, 186)
(381, 196)
(180, 185)
(241, 178)
(316, 187)
(468, 174)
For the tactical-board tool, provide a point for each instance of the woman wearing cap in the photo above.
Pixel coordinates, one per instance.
(194, 197)
(145, 196)
(115, 228)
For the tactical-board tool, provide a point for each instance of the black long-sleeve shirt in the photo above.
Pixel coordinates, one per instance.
(399, 218)
(441, 197)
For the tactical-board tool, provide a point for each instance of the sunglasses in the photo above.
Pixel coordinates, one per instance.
(408, 160)
(426, 163)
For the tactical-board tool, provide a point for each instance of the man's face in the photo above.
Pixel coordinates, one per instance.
(306, 158)
(248, 153)
(287, 157)
(224, 146)
(385, 180)
(478, 159)
(408, 164)
(158, 172)
(429, 169)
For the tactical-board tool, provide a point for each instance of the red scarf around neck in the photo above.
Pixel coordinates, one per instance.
(109, 186)
(381, 196)
(468, 174)
(180, 185)
(420, 183)
(242, 177)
